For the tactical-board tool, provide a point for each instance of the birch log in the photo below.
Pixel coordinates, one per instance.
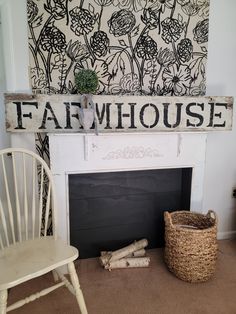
(116, 255)
(130, 262)
(139, 253)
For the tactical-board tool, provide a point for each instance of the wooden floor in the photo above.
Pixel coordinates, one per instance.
(139, 291)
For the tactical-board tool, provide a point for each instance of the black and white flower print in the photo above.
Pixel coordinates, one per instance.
(150, 18)
(121, 22)
(205, 7)
(129, 83)
(32, 11)
(103, 3)
(56, 8)
(162, 5)
(146, 48)
(53, 40)
(201, 31)
(38, 79)
(185, 50)
(183, 2)
(171, 30)
(42, 148)
(191, 8)
(165, 57)
(77, 51)
(132, 5)
(99, 43)
(141, 47)
(177, 79)
(82, 21)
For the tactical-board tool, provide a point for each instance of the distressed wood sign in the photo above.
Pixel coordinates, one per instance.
(60, 113)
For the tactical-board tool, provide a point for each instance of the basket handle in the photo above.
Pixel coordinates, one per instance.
(212, 214)
(167, 218)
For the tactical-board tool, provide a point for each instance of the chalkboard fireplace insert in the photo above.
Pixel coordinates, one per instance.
(108, 210)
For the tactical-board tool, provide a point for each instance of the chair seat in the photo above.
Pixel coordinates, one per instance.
(29, 259)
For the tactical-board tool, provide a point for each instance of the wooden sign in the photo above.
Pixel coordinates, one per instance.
(60, 113)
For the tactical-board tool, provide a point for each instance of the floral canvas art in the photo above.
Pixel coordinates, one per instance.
(136, 47)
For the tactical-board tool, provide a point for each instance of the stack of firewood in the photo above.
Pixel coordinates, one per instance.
(133, 255)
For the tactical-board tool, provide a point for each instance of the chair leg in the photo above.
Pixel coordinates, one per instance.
(55, 276)
(3, 301)
(76, 285)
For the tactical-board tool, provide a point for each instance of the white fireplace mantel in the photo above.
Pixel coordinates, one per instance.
(88, 153)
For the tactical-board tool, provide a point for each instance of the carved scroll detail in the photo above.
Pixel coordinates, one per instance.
(133, 152)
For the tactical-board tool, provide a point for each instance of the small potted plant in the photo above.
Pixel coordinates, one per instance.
(86, 82)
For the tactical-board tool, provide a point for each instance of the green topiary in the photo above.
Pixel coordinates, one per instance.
(86, 81)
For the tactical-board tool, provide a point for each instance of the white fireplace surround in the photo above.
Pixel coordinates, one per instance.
(88, 153)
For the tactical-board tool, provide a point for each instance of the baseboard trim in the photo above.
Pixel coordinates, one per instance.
(226, 235)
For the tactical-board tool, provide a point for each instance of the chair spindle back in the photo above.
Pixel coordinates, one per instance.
(27, 202)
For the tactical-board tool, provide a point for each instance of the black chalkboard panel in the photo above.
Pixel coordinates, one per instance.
(110, 210)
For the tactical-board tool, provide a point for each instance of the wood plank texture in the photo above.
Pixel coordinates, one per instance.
(60, 113)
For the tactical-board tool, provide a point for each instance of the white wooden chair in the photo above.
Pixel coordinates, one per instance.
(27, 209)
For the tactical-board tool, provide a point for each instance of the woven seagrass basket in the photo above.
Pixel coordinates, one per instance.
(191, 244)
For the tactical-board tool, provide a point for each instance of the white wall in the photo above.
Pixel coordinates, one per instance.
(4, 137)
(16, 57)
(221, 80)
(220, 176)
(14, 25)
